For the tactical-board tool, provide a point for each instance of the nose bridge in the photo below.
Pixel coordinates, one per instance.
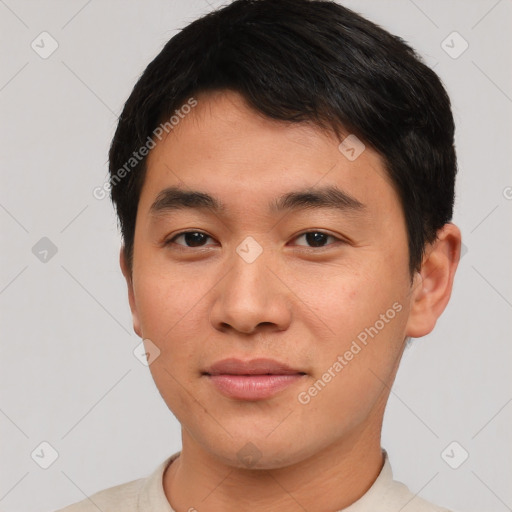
(250, 295)
(250, 250)
(250, 276)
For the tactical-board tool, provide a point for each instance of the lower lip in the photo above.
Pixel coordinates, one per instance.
(252, 387)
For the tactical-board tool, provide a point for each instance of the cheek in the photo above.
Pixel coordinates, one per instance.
(155, 304)
(354, 368)
(170, 311)
(360, 316)
(342, 303)
(171, 314)
(168, 302)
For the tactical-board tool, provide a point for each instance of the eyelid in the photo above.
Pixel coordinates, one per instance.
(337, 239)
(169, 241)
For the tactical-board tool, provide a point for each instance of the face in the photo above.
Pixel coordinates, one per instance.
(304, 261)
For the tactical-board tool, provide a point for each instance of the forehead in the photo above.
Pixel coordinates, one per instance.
(225, 148)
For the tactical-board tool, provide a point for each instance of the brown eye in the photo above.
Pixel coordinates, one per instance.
(317, 238)
(191, 239)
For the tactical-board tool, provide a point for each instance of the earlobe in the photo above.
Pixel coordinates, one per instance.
(432, 286)
(131, 295)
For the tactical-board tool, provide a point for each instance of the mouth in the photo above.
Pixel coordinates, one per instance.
(261, 366)
(257, 379)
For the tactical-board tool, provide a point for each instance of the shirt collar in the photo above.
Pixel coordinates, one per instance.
(375, 497)
(152, 495)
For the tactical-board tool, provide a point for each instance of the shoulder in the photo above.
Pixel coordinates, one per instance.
(389, 495)
(400, 496)
(121, 497)
(141, 494)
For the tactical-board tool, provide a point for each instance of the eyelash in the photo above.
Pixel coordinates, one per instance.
(170, 241)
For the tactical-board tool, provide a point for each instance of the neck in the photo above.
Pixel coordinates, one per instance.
(330, 480)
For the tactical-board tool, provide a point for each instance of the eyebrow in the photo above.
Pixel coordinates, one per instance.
(175, 198)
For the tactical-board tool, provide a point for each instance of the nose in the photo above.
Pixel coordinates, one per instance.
(252, 297)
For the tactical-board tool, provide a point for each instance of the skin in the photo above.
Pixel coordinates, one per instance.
(297, 303)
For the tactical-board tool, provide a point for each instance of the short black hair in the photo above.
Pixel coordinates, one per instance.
(296, 61)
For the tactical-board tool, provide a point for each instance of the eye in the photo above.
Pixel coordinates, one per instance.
(191, 239)
(317, 238)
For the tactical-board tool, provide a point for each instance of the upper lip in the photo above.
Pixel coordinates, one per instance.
(259, 366)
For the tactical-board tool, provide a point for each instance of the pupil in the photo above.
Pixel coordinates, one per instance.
(194, 239)
(315, 239)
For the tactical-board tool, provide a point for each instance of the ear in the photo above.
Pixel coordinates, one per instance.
(131, 296)
(432, 285)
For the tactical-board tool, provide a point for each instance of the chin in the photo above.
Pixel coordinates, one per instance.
(245, 450)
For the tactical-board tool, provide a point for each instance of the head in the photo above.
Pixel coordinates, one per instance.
(308, 156)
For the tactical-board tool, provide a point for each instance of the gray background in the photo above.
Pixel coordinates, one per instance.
(68, 373)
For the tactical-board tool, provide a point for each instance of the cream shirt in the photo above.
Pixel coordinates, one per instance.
(147, 495)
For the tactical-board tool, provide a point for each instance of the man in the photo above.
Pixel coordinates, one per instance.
(283, 173)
